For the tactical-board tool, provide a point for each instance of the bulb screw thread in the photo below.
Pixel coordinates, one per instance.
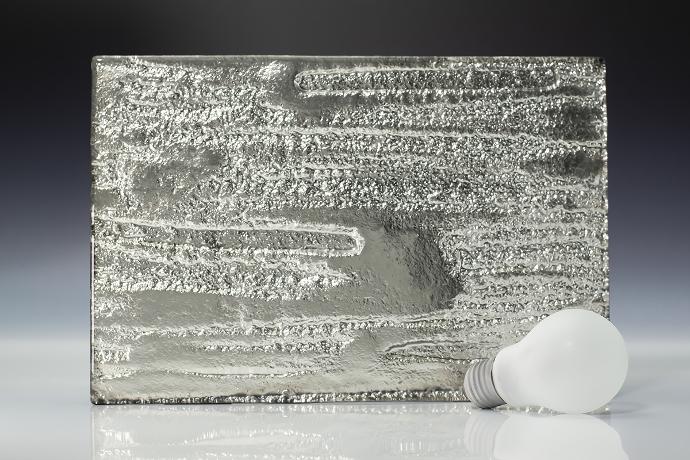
(479, 385)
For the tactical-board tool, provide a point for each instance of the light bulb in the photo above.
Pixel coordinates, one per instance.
(573, 361)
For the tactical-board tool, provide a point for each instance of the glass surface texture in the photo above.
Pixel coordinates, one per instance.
(302, 229)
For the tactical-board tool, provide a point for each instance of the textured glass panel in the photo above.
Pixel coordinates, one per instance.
(347, 228)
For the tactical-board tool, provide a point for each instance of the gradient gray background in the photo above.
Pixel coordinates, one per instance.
(44, 135)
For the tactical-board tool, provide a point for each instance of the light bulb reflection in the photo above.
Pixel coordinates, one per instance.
(507, 435)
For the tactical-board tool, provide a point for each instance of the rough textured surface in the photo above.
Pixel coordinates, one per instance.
(326, 229)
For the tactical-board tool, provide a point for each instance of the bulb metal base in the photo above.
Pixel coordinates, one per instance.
(479, 385)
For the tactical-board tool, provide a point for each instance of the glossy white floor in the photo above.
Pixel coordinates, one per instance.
(46, 414)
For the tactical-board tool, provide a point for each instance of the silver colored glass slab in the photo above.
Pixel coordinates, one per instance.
(296, 229)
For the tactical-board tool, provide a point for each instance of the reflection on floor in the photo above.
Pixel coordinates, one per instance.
(338, 431)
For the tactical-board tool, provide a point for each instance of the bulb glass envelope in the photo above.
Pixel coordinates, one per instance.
(288, 229)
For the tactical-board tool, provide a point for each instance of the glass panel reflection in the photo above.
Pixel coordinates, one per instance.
(337, 431)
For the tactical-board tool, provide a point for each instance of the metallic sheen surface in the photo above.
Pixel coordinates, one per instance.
(295, 229)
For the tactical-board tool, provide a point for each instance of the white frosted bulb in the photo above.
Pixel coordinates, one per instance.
(574, 361)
